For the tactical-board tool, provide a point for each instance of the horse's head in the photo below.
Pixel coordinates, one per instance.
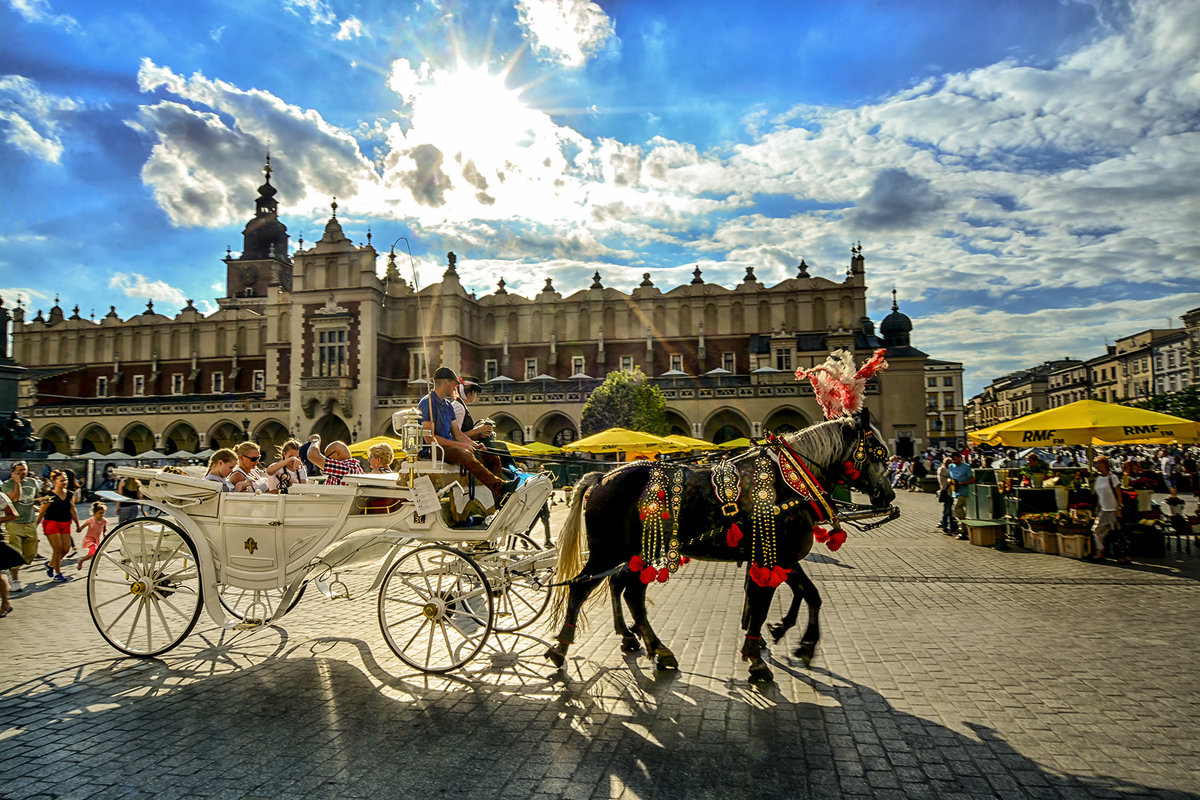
(866, 460)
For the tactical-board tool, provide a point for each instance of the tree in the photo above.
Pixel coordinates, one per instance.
(625, 400)
(1184, 403)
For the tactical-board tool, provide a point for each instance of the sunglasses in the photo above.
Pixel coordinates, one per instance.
(252, 458)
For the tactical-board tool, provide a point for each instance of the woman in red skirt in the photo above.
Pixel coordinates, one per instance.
(59, 521)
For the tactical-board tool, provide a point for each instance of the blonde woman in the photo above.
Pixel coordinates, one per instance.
(380, 458)
(248, 476)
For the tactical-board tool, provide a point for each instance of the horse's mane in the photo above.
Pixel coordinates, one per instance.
(823, 442)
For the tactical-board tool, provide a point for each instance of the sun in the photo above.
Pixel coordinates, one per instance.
(472, 113)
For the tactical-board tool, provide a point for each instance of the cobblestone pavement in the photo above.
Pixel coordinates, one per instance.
(944, 671)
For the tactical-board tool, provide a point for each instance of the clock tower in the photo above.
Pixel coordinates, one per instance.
(264, 260)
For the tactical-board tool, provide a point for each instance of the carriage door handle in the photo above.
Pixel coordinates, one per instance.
(275, 522)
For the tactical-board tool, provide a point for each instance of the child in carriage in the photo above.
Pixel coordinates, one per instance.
(95, 527)
(288, 470)
(220, 465)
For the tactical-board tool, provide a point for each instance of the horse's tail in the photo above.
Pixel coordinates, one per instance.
(570, 548)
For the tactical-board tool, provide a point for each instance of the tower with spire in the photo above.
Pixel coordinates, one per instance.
(264, 261)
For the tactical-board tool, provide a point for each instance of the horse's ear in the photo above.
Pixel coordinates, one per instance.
(863, 417)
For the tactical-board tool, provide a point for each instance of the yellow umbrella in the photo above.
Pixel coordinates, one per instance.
(618, 440)
(542, 449)
(514, 449)
(689, 443)
(1091, 422)
(734, 444)
(360, 449)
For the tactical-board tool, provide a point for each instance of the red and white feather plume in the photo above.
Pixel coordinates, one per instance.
(838, 385)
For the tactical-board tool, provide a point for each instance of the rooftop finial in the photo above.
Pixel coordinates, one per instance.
(333, 206)
(696, 275)
(895, 304)
(267, 167)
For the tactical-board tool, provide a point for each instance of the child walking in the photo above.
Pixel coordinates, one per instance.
(95, 526)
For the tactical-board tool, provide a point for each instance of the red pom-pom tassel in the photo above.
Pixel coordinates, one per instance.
(733, 535)
(649, 574)
(663, 574)
(636, 564)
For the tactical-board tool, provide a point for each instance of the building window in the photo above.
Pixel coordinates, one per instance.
(931, 382)
(947, 399)
(260, 380)
(949, 424)
(331, 353)
(931, 402)
(177, 383)
(783, 360)
(218, 382)
(576, 365)
(729, 362)
(627, 363)
(677, 362)
(531, 369)
(139, 385)
(491, 369)
(101, 387)
(947, 381)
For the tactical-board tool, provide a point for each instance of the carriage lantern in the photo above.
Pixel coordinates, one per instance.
(408, 424)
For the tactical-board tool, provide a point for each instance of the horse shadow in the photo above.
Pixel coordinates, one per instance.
(326, 716)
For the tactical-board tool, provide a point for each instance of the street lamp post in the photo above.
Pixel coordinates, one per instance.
(245, 430)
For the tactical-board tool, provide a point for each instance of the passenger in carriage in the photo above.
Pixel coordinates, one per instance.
(336, 462)
(437, 416)
(248, 476)
(288, 470)
(484, 432)
(220, 464)
(380, 458)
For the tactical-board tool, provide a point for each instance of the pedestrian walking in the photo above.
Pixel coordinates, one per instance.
(1106, 535)
(58, 519)
(131, 488)
(9, 556)
(961, 478)
(946, 497)
(21, 490)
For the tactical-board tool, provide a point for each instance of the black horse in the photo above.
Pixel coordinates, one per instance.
(642, 519)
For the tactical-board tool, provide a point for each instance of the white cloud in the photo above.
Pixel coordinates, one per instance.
(136, 285)
(40, 11)
(319, 11)
(197, 150)
(567, 32)
(30, 117)
(351, 28)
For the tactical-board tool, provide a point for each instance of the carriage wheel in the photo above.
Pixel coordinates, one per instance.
(143, 587)
(521, 594)
(256, 606)
(435, 609)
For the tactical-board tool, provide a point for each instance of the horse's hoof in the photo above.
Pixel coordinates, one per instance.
(667, 662)
(556, 658)
(630, 644)
(806, 651)
(761, 673)
(777, 631)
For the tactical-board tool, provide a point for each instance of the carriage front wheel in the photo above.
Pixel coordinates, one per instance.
(435, 608)
(143, 587)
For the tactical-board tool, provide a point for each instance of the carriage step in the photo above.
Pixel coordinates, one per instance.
(332, 589)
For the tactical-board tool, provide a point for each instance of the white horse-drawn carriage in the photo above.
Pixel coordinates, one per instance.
(447, 577)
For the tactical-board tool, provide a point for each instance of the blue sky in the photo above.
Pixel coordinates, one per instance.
(1025, 174)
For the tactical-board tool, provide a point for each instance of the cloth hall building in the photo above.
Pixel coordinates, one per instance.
(317, 340)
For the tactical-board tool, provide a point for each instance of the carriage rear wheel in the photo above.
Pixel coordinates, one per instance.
(435, 608)
(143, 587)
(256, 606)
(522, 592)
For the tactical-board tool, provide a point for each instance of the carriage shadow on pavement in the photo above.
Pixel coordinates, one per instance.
(262, 717)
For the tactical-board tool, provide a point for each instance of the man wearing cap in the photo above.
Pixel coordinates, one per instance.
(437, 416)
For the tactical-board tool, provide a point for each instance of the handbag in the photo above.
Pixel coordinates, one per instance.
(944, 494)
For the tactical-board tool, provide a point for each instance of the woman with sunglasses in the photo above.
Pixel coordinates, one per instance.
(247, 476)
